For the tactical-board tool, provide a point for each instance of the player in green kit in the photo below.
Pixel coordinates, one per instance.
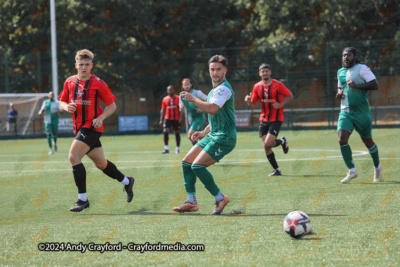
(217, 139)
(52, 110)
(195, 115)
(354, 81)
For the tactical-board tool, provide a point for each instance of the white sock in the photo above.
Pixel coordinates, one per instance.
(125, 181)
(278, 169)
(219, 197)
(83, 197)
(379, 166)
(353, 170)
(192, 199)
(166, 147)
(283, 141)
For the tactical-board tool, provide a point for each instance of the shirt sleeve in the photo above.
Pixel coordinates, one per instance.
(283, 90)
(339, 84)
(220, 96)
(366, 73)
(202, 96)
(254, 95)
(105, 94)
(64, 94)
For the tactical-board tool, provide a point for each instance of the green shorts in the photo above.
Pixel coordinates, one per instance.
(51, 127)
(361, 121)
(197, 123)
(217, 147)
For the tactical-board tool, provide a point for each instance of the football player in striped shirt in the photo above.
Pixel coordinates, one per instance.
(170, 118)
(273, 96)
(81, 97)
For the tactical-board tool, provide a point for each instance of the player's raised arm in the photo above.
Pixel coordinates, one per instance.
(68, 107)
(207, 107)
(286, 100)
(251, 104)
(108, 111)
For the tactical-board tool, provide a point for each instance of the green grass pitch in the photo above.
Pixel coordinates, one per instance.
(353, 225)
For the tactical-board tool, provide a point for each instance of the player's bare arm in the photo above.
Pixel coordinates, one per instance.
(162, 115)
(371, 85)
(339, 94)
(200, 135)
(181, 111)
(206, 107)
(251, 104)
(110, 109)
(286, 100)
(68, 107)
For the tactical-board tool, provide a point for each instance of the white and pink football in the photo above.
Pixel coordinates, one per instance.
(297, 224)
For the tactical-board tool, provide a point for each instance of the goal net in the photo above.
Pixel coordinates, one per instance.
(27, 105)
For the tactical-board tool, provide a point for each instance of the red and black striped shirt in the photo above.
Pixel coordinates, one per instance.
(87, 95)
(171, 106)
(268, 95)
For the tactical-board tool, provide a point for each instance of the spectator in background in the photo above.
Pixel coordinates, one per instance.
(52, 109)
(12, 119)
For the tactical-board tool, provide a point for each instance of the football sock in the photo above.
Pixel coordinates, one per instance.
(55, 139)
(166, 147)
(347, 156)
(82, 197)
(278, 142)
(79, 172)
(49, 141)
(206, 178)
(166, 137)
(379, 166)
(189, 177)
(125, 181)
(272, 161)
(353, 170)
(219, 197)
(373, 151)
(191, 199)
(112, 171)
(178, 139)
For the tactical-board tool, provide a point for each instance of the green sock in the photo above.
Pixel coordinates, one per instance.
(206, 178)
(49, 141)
(373, 151)
(190, 178)
(347, 156)
(55, 139)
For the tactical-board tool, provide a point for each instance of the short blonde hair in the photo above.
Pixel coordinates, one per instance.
(84, 54)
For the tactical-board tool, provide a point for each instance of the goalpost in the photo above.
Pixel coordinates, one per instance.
(27, 106)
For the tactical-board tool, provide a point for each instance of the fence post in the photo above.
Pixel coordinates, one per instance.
(287, 64)
(123, 84)
(328, 78)
(6, 71)
(39, 74)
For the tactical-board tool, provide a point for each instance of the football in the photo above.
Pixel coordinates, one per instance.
(297, 224)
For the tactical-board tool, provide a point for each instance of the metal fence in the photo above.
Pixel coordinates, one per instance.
(139, 78)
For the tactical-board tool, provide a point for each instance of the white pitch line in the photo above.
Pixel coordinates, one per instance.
(153, 161)
(178, 165)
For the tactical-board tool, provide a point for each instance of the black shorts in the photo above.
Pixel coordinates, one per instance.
(176, 126)
(270, 127)
(89, 137)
